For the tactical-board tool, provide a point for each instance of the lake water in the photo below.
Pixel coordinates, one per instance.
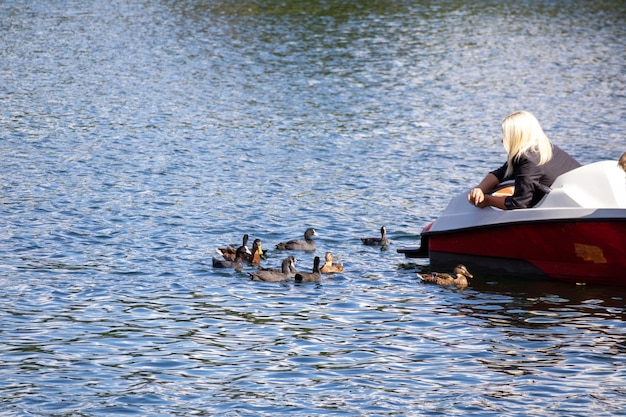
(138, 136)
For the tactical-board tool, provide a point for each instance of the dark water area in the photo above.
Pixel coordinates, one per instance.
(138, 136)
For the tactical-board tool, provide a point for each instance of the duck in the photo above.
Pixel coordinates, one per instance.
(236, 263)
(287, 271)
(313, 276)
(459, 278)
(257, 253)
(230, 251)
(329, 265)
(377, 241)
(306, 244)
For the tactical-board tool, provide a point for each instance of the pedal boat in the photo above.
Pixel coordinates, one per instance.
(576, 233)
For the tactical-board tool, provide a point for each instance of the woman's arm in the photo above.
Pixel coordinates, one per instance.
(527, 177)
(493, 201)
(478, 195)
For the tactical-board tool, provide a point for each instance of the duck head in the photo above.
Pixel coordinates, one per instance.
(257, 247)
(460, 269)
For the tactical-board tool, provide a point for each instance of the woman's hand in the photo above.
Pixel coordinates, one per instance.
(476, 197)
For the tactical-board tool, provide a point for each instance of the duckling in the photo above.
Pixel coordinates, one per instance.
(329, 265)
(237, 263)
(459, 279)
(230, 251)
(377, 241)
(306, 244)
(287, 271)
(314, 276)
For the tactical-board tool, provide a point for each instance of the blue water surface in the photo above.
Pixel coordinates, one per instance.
(136, 137)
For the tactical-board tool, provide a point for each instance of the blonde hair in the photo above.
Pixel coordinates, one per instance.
(521, 132)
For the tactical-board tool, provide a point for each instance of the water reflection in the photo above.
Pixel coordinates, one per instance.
(506, 302)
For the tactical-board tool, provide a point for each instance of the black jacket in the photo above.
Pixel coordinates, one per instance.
(533, 181)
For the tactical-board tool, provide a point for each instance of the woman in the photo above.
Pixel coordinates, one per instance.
(533, 162)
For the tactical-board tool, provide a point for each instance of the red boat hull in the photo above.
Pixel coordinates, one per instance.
(574, 251)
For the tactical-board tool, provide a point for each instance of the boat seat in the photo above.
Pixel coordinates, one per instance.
(505, 189)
